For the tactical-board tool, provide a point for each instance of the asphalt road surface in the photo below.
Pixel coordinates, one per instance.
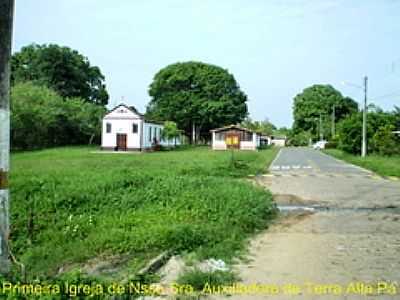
(346, 232)
(306, 160)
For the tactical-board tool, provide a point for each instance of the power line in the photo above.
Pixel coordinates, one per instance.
(395, 93)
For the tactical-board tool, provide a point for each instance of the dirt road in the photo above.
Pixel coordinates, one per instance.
(345, 246)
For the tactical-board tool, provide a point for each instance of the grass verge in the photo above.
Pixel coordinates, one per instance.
(70, 205)
(382, 165)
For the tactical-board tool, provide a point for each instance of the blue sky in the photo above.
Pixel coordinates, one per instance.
(274, 48)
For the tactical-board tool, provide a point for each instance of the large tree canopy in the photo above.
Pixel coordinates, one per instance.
(319, 100)
(263, 127)
(41, 118)
(62, 69)
(195, 93)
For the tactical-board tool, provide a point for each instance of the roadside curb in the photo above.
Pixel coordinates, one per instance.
(392, 178)
(273, 162)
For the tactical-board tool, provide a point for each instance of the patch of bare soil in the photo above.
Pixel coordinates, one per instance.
(288, 199)
(320, 251)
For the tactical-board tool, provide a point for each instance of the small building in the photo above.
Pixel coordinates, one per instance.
(278, 141)
(265, 140)
(125, 129)
(234, 137)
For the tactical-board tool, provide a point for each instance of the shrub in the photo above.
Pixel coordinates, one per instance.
(350, 130)
(331, 145)
(41, 118)
(384, 142)
(300, 139)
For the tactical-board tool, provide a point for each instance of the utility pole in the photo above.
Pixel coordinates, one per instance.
(333, 121)
(364, 125)
(6, 25)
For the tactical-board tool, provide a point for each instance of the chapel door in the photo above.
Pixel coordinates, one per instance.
(121, 141)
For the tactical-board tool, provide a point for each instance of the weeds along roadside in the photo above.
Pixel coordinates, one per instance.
(70, 206)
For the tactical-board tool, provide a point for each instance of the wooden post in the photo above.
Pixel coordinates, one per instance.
(6, 25)
(193, 133)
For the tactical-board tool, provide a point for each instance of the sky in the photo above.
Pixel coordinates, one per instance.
(274, 49)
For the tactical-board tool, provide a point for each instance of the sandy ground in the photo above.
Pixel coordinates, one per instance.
(324, 249)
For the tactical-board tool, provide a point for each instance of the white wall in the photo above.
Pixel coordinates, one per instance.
(147, 142)
(278, 142)
(121, 126)
(251, 145)
(121, 119)
(217, 145)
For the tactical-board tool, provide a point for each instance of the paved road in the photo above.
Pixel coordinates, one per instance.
(306, 160)
(355, 240)
(307, 176)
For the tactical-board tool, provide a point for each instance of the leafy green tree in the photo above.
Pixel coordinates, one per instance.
(62, 69)
(41, 118)
(349, 130)
(196, 94)
(283, 131)
(299, 139)
(263, 127)
(396, 114)
(385, 142)
(319, 100)
(170, 131)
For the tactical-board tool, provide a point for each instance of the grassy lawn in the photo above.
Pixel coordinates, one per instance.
(70, 205)
(382, 165)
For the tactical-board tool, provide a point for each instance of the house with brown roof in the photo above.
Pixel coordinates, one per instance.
(235, 137)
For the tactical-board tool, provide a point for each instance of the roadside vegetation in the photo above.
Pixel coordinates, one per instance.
(70, 205)
(382, 165)
(58, 98)
(318, 107)
(41, 118)
(62, 69)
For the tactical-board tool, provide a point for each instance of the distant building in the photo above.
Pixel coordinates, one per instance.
(278, 141)
(125, 129)
(234, 137)
(265, 140)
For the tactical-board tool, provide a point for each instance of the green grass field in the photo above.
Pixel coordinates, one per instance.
(382, 165)
(70, 205)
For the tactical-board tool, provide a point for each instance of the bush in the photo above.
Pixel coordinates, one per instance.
(41, 118)
(331, 145)
(350, 130)
(264, 147)
(384, 142)
(300, 139)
